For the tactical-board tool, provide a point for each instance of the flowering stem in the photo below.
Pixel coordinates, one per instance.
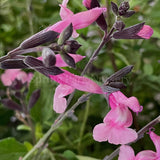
(140, 135)
(56, 124)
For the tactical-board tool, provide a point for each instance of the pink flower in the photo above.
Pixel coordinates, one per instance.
(68, 82)
(127, 153)
(79, 20)
(115, 125)
(146, 32)
(11, 74)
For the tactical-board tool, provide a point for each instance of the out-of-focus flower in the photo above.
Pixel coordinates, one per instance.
(114, 128)
(11, 74)
(127, 153)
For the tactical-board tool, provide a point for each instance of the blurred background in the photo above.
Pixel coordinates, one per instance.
(20, 19)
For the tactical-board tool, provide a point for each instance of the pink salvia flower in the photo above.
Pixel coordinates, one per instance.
(127, 153)
(79, 20)
(87, 3)
(11, 74)
(146, 32)
(114, 128)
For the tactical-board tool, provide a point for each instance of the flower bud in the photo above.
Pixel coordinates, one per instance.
(129, 14)
(48, 57)
(119, 25)
(71, 46)
(38, 39)
(65, 34)
(16, 85)
(11, 104)
(114, 8)
(68, 59)
(34, 98)
(124, 6)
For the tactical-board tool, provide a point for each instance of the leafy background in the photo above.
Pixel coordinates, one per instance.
(19, 20)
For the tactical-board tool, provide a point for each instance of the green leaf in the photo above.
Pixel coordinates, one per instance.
(85, 158)
(69, 155)
(28, 145)
(10, 149)
(23, 127)
(148, 69)
(43, 109)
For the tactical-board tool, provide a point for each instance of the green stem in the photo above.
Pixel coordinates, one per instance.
(83, 126)
(56, 124)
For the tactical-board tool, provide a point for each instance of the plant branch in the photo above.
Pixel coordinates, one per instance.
(140, 135)
(56, 124)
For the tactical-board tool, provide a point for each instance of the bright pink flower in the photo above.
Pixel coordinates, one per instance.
(79, 20)
(87, 3)
(11, 74)
(115, 125)
(146, 32)
(127, 153)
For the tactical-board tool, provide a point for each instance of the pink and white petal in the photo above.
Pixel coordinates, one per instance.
(156, 140)
(117, 99)
(65, 2)
(29, 78)
(59, 102)
(121, 135)
(78, 82)
(146, 155)
(133, 104)
(100, 132)
(146, 32)
(22, 76)
(120, 116)
(126, 153)
(84, 19)
(65, 12)
(75, 34)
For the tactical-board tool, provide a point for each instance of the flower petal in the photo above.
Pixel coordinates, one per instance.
(65, 12)
(133, 104)
(100, 132)
(120, 116)
(146, 155)
(59, 102)
(121, 135)
(126, 153)
(84, 19)
(156, 140)
(78, 82)
(146, 32)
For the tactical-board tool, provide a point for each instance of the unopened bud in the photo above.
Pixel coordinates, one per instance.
(65, 34)
(16, 84)
(129, 14)
(71, 46)
(68, 59)
(114, 8)
(34, 98)
(11, 104)
(119, 25)
(38, 39)
(48, 57)
(124, 6)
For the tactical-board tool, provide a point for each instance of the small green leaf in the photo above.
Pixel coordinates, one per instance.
(69, 155)
(85, 158)
(28, 145)
(10, 149)
(23, 127)
(148, 69)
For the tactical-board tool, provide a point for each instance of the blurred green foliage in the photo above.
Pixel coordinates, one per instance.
(20, 18)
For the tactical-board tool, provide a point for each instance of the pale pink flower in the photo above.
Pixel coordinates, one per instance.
(79, 20)
(114, 128)
(11, 74)
(146, 32)
(127, 153)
